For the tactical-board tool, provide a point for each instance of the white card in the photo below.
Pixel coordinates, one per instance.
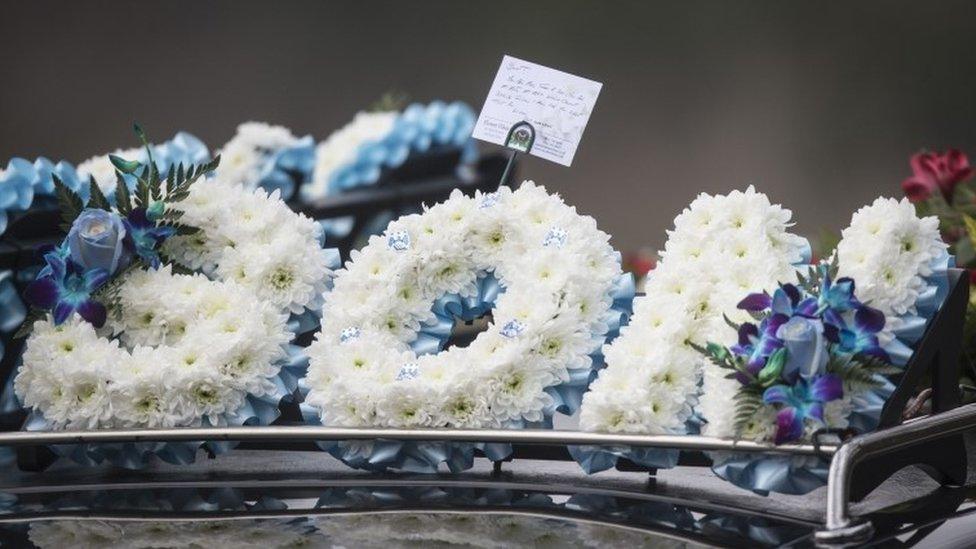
(557, 104)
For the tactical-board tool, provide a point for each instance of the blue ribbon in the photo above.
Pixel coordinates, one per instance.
(425, 457)
(288, 168)
(24, 183)
(256, 410)
(417, 129)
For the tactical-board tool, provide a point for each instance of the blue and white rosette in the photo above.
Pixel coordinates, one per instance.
(800, 475)
(425, 457)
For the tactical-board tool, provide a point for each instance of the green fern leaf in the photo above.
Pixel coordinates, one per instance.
(69, 202)
(97, 199)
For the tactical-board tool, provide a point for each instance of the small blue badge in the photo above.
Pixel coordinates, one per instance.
(408, 371)
(512, 329)
(488, 200)
(555, 237)
(349, 334)
(398, 240)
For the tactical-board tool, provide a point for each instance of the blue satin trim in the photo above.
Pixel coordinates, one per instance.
(256, 410)
(25, 183)
(426, 457)
(415, 130)
(434, 334)
(912, 326)
(288, 168)
(593, 459)
(797, 476)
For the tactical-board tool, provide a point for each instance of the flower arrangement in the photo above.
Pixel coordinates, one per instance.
(156, 313)
(720, 247)
(843, 342)
(814, 348)
(357, 154)
(547, 275)
(269, 157)
(23, 183)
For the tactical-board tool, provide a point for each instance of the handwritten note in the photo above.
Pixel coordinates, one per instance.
(557, 104)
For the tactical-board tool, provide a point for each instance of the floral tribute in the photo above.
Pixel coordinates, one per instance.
(549, 279)
(721, 248)
(800, 365)
(819, 355)
(25, 185)
(267, 156)
(355, 155)
(155, 312)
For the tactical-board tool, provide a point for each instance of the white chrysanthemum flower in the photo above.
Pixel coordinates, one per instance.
(254, 239)
(721, 249)
(193, 348)
(242, 158)
(887, 250)
(549, 319)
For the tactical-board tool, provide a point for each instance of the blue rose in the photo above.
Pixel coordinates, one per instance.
(96, 241)
(806, 351)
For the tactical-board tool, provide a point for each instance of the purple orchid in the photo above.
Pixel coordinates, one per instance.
(64, 287)
(144, 237)
(757, 343)
(861, 337)
(787, 301)
(800, 401)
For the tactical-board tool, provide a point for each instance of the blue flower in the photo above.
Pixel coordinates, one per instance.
(837, 295)
(65, 287)
(803, 400)
(144, 237)
(96, 241)
(806, 351)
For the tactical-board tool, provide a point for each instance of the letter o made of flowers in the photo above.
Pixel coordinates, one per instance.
(201, 339)
(549, 277)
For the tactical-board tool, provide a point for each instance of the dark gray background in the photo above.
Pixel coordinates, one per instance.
(819, 104)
